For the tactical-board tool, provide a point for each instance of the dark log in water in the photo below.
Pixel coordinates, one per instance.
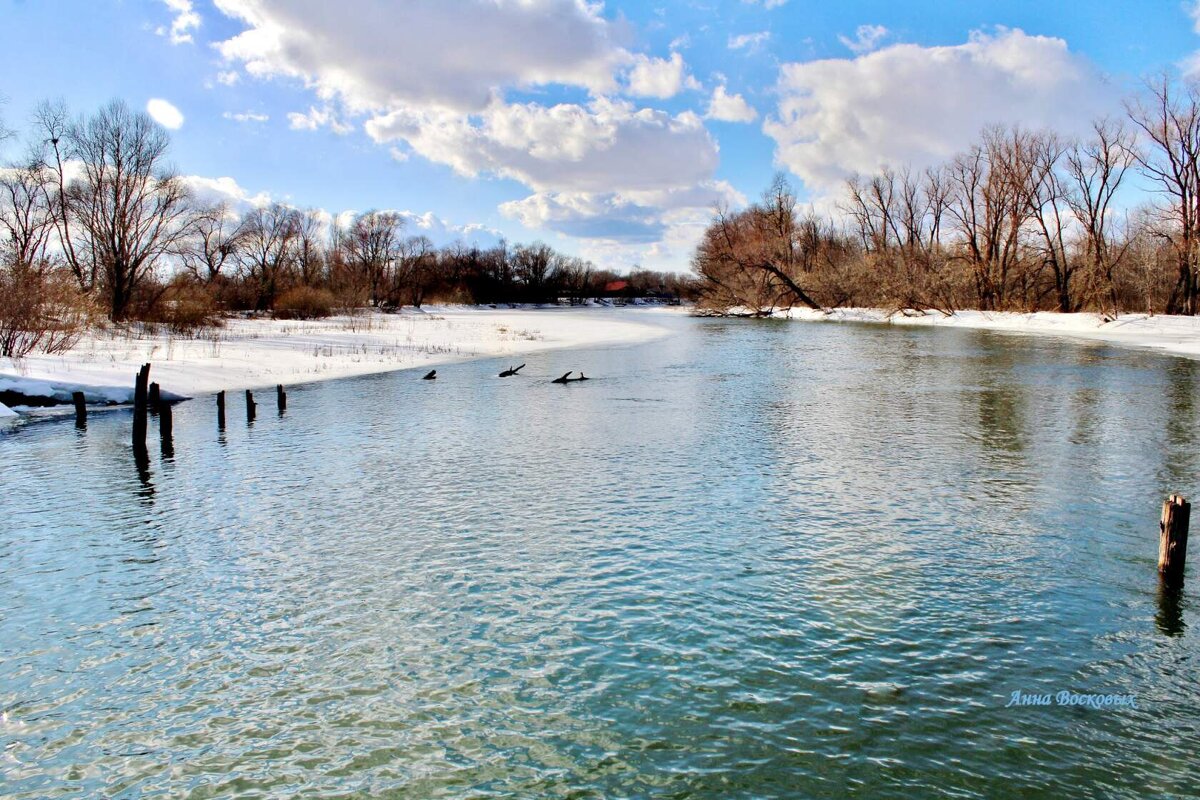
(431, 375)
(511, 371)
(251, 406)
(566, 378)
(140, 391)
(80, 409)
(281, 398)
(1172, 538)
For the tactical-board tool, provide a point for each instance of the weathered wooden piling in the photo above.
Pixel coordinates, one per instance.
(221, 409)
(166, 430)
(281, 398)
(250, 406)
(80, 409)
(1172, 537)
(140, 390)
(154, 398)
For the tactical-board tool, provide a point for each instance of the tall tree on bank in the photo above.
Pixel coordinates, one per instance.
(372, 247)
(268, 251)
(1168, 116)
(755, 258)
(127, 206)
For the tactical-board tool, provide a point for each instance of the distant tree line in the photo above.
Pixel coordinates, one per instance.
(1022, 220)
(94, 220)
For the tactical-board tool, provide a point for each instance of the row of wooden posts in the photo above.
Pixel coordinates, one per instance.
(147, 398)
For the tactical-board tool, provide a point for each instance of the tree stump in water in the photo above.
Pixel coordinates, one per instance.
(80, 409)
(140, 390)
(1172, 538)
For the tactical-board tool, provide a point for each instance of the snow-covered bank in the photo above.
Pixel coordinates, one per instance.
(247, 354)
(1174, 335)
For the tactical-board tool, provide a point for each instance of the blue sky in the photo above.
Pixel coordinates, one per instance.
(606, 130)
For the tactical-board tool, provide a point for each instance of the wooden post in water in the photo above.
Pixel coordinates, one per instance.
(1172, 537)
(154, 398)
(140, 390)
(80, 409)
(166, 430)
(281, 398)
(221, 409)
(249, 406)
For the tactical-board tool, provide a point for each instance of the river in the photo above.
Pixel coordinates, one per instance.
(751, 559)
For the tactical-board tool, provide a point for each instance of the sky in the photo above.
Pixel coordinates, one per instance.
(608, 130)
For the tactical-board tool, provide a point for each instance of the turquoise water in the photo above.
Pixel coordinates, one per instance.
(752, 559)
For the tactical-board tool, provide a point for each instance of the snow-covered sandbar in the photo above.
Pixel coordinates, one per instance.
(1170, 334)
(252, 353)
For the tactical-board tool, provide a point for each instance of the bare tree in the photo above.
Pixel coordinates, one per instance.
(127, 206)
(372, 246)
(1049, 209)
(1095, 169)
(53, 124)
(987, 205)
(269, 249)
(1168, 117)
(215, 239)
(310, 249)
(26, 219)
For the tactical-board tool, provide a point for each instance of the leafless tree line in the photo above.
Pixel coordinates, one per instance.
(1021, 220)
(94, 205)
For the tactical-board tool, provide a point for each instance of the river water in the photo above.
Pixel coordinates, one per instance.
(751, 559)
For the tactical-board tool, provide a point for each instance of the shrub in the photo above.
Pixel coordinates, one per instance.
(41, 309)
(304, 302)
(188, 308)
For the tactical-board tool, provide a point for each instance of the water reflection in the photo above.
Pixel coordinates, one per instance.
(1169, 618)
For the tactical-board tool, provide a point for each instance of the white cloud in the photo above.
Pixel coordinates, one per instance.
(212, 191)
(765, 3)
(164, 113)
(907, 104)
(729, 107)
(228, 77)
(427, 85)
(608, 145)
(245, 116)
(379, 55)
(185, 20)
(749, 41)
(866, 38)
(660, 77)
(316, 118)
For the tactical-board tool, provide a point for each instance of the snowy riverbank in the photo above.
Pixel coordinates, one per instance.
(248, 354)
(1174, 335)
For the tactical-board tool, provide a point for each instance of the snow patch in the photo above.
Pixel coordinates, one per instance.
(254, 353)
(1171, 334)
